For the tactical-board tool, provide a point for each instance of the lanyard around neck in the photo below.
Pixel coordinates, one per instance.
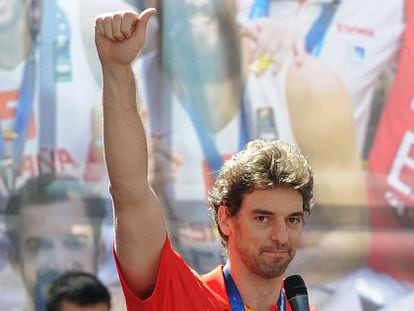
(235, 298)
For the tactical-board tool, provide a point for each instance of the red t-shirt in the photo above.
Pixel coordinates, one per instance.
(178, 287)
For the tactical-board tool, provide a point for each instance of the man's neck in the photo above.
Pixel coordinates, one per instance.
(257, 293)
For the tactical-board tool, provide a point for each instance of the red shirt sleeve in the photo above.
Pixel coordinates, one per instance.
(178, 287)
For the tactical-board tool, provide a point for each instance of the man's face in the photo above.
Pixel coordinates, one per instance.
(266, 231)
(54, 238)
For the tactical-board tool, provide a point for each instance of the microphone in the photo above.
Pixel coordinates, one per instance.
(296, 293)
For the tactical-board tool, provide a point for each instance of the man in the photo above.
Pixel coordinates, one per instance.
(260, 213)
(54, 225)
(77, 291)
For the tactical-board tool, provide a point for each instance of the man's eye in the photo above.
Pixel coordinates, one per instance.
(262, 219)
(34, 245)
(295, 220)
(73, 242)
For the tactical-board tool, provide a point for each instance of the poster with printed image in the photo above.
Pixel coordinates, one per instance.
(332, 76)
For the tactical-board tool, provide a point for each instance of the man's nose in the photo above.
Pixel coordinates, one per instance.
(280, 232)
(53, 257)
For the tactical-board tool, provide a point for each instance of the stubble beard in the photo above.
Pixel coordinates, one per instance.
(258, 264)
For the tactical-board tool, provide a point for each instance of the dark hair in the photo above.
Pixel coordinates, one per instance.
(81, 288)
(262, 165)
(47, 189)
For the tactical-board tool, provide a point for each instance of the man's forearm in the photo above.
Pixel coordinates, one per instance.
(124, 135)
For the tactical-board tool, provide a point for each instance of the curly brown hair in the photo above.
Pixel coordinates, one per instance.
(262, 165)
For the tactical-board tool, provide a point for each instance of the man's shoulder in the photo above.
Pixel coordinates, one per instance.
(214, 281)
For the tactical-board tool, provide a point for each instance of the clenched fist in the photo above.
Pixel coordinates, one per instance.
(120, 36)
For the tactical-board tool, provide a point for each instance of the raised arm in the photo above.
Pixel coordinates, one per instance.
(139, 222)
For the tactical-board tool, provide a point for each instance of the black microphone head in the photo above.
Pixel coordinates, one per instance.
(295, 286)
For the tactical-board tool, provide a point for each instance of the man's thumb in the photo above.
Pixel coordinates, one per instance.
(144, 17)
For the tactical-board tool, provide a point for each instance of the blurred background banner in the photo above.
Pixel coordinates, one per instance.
(334, 77)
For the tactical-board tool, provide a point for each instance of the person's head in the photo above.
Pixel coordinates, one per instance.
(54, 226)
(259, 201)
(77, 291)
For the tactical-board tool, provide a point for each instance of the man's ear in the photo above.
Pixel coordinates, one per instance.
(224, 220)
